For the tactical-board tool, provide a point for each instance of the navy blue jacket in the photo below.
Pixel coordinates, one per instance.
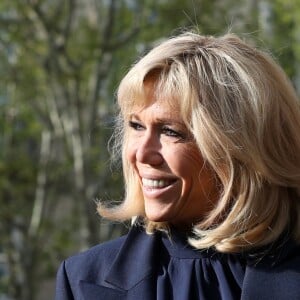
(125, 268)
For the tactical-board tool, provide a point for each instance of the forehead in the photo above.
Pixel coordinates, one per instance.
(161, 110)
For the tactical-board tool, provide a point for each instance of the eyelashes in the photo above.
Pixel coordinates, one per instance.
(135, 125)
(171, 132)
(163, 129)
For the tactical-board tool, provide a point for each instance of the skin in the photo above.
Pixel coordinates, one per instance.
(177, 186)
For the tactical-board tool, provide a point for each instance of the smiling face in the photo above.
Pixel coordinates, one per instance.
(176, 185)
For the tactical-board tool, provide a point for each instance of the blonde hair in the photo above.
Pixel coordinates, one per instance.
(245, 118)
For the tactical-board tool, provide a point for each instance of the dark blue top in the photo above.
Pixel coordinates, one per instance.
(149, 267)
(199, 274)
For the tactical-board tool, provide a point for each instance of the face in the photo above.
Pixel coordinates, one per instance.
(176, 185)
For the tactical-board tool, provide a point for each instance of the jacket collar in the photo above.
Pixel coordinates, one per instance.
(139, 254)
(135, 260)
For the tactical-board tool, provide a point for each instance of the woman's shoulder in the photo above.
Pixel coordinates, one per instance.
(87, 270)
(95, 257)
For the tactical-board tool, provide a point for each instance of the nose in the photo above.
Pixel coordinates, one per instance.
(148, 150)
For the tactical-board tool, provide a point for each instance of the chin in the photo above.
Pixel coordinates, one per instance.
(157, 217)
(159, 213)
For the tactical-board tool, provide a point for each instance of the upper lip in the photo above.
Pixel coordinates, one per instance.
(156, 176)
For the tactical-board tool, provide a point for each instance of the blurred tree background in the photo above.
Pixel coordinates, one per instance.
(60, 64)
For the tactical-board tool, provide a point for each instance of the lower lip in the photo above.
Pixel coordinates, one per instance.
(156, 192)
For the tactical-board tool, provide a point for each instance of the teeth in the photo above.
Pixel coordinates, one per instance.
(155, 183)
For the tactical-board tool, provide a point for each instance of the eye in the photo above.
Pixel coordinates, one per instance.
(172, 133)
(135, 125)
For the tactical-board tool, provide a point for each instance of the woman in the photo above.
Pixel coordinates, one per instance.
(209, 131)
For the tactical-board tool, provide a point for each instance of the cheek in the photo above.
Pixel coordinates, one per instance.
(188, 161)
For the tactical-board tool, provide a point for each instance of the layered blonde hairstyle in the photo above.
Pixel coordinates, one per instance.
(244, 116)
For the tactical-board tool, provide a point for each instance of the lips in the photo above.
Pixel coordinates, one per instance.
(156, 183)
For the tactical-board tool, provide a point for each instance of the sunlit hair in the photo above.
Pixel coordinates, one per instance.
(245, 118)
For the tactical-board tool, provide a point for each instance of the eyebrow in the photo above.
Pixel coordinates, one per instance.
(159, 120)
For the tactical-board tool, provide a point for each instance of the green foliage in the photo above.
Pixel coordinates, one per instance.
(18, 167)
(283, 40)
